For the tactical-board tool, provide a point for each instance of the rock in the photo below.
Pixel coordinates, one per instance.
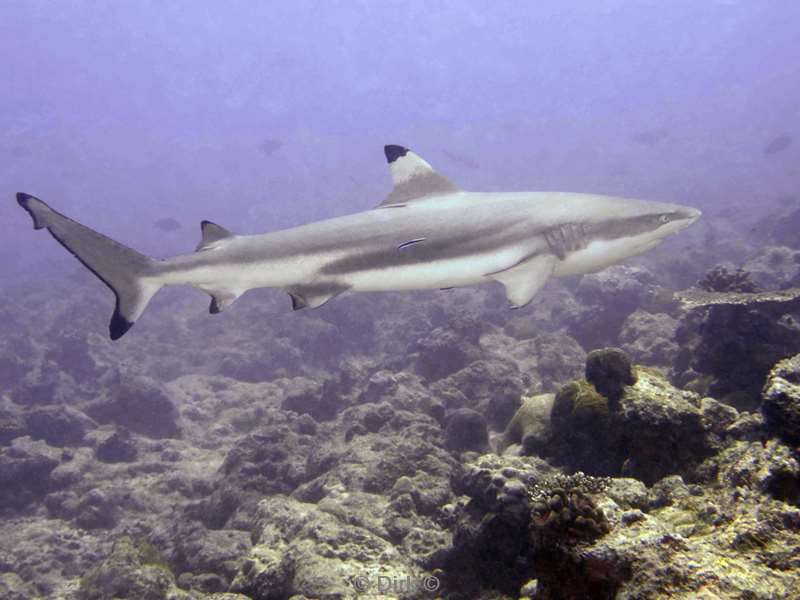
(734, 346)
(769, 469)
(656, 431)
(491, 386)
(610, 371)
(15, 354)
(780, 400)
(96, 510)
(198, 553)
(775, 267)
(69, 349)
(445, 351)
(560, 358)
(304, 551)
(62, 504)
(43, 384)
(12, 587)
(131, 571)
(666, 546)
(273, 460)
(120, 446)
(466, 430)
(321, 401)
(279, 358)
(140, 405)
(785, 228)
(25, 470)
(608, 298)
(12, 425)
(492, 549)
(530, 425)
(58, 425)
(649, 338)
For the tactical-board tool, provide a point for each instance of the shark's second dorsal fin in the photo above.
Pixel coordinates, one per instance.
(212, 233)
(413, 178)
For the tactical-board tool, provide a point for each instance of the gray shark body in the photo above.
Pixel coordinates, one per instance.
(427, 234)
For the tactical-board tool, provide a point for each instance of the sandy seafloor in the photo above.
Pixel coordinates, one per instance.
(412, 445)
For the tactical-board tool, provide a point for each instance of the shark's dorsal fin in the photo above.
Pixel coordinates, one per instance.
(212, 233)
(413, 178)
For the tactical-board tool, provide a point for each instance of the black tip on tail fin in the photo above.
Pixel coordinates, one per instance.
(133, 277)
(119, 325)
(393, 152)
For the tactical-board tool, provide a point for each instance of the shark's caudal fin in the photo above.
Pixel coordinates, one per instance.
(130, 275)
(413, 178)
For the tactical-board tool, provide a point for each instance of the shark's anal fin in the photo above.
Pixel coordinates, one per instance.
(212, 233)
(313, 295)
(525, 279)
(413, 178)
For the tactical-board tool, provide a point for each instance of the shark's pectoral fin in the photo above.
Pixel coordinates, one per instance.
(525, 279)
(313, 296)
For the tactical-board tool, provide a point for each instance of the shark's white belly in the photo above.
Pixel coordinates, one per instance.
(455, 272)
(600, 254)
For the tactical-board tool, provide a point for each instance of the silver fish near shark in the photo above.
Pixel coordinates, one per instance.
(427, 234)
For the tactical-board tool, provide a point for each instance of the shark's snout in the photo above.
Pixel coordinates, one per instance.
(685, 216)
(692, 214)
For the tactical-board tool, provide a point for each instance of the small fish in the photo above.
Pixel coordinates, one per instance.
(778, 144)
(167, 224)
(650, 137)
(270, 146)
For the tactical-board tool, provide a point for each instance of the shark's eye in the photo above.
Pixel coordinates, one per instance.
(663, 219)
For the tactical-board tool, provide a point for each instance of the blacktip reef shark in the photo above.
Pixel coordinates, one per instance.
(427, 234)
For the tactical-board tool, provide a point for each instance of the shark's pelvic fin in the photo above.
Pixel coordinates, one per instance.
(211, 233)
(525, 279)
(413, 178)
(314, 296)
(220, 300)
(132, 277)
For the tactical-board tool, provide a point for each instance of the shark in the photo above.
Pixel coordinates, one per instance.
(426, 234)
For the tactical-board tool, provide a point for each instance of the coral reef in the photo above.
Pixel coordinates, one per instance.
(649, 339)
(730, 341)
(353, 451)
(651, 431)
(608, 298)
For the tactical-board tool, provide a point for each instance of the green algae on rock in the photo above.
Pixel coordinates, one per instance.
(576, 400)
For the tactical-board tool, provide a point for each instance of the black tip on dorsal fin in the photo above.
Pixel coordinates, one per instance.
(212, 233)
(394, 152)
(212, 229)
